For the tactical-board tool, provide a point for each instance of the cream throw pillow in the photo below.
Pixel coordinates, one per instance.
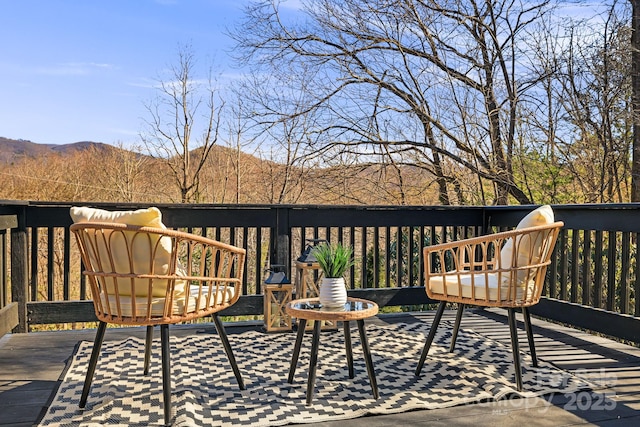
(150, 217)
(141, 249)
(526, 249)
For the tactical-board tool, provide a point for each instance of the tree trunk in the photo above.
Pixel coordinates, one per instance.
(635, 102)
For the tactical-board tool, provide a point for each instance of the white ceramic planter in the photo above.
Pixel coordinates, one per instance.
(333, 292)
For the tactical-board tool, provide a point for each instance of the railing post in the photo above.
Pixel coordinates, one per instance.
(19, 271)
(280, 249)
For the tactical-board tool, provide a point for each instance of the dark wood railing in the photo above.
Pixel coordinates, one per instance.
(593, 281)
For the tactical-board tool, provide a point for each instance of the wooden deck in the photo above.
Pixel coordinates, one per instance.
(31, 366)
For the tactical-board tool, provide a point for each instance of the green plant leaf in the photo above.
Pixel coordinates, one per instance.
(333, 259)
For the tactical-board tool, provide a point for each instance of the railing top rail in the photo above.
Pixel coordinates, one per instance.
(607, 217)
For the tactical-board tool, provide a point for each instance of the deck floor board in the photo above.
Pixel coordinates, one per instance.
(31, 366)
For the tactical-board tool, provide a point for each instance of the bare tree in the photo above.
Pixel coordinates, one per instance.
(183, 123)
(436, 85)
(635, 101)
(283, 141)
(124, 171)
(594, 95)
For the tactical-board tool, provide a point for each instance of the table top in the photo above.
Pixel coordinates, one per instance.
(310, 309)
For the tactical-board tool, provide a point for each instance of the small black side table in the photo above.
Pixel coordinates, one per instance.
(310, 309)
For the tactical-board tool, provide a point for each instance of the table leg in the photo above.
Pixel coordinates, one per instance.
(313, 362)
(347, 347)
(296, 349)
(367, 358)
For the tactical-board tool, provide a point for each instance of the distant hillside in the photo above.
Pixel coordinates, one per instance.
(13, 149)
(229, 176)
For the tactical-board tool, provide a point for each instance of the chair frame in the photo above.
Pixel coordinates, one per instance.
(479, 258)
(220, 269)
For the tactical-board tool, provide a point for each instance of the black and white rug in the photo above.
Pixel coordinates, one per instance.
(205, 392)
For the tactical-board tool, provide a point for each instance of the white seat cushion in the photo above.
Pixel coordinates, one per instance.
(486, 286)
(194, 302)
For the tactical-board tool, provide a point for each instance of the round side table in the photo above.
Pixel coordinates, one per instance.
(311, 309)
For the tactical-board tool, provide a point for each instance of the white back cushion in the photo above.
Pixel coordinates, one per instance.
(540, 216)
(525, 247)
(142, 249)
(149, 217)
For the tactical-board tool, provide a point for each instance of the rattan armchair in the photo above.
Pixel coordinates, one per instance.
(505, 269)
(151, 276)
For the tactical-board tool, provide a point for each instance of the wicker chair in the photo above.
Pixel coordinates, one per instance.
(505, 269)
(150, 276)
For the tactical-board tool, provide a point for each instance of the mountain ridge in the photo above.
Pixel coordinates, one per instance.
(13, 149)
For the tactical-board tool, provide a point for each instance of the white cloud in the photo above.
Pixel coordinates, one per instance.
(72, 68)
(125, 132)
(144, 83)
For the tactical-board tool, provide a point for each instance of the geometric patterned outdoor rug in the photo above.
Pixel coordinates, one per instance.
(205, 392)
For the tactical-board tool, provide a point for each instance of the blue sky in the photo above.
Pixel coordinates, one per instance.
(81, 70)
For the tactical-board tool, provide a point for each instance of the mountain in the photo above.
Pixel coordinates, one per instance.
(13, 149)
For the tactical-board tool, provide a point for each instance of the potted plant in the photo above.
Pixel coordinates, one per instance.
(334, 260)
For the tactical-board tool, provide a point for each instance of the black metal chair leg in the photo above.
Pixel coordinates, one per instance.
(527, 326)
(456, 327)
(166, 374)
(432, 334)
(227, 349)
(147, 349)
(513, 328)
(93, 361)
